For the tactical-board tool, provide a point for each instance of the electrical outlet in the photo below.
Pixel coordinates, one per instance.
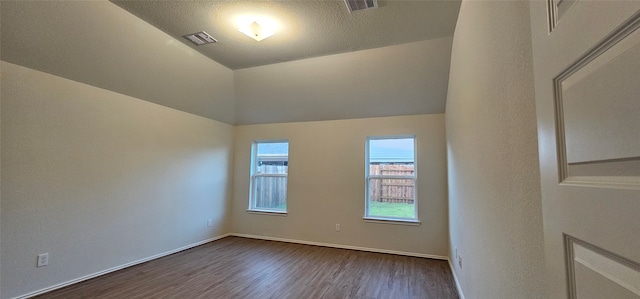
(43, 259)
(460, 261)
(337, 227)
(210, 222)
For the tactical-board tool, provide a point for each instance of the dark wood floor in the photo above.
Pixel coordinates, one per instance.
(246, 268)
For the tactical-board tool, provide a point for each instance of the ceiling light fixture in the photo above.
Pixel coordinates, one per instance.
(258, 30)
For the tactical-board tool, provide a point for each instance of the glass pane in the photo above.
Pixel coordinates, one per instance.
(270, 193)
(272, 158)
(392, 169)
(392, 198)
(399, 150)
(272, 167)
(273, 148)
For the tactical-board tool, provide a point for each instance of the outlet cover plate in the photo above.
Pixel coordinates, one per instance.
(43, 259)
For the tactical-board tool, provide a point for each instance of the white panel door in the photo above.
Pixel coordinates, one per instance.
(587, 80)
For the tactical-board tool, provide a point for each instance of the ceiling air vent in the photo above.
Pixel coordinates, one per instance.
(200, 38)
(355, 5)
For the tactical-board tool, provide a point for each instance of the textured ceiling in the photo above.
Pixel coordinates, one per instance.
(307, 28)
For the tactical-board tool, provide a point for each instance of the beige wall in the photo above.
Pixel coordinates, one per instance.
(407, 79)
(494, 184)
(98, 179)
(326, 184)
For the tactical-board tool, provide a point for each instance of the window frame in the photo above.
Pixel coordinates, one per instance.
(382, 219)
(253, 175)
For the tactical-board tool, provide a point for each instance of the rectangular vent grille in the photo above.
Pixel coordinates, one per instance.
(355, 5)
(201, 38)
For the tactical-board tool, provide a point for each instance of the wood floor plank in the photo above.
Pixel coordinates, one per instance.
(236, 267)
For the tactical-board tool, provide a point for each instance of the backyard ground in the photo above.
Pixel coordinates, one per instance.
(394, 210)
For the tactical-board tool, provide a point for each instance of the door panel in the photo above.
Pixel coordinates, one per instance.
(598, 112)
(587, 80)
(597, 273)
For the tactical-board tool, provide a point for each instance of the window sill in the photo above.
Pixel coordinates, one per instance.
(267, 212)
(392, 221)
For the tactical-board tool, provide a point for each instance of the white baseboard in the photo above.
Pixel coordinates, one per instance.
(103, 272)
(455, 278)
(431, 256)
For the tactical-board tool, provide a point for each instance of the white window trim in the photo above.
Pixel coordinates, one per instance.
(402, 177)
(368, 177)
(267, 212)
(253, 175)
(383, 220)
(276, 175)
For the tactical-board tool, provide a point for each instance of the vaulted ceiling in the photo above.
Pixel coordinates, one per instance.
(323, 63)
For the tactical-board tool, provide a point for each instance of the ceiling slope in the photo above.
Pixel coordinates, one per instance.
(100, 44)
(405, 79)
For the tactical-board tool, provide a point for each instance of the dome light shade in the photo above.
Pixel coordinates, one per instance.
(257, 31)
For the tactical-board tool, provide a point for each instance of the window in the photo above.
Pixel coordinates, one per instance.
(391, 178)
(270, 163)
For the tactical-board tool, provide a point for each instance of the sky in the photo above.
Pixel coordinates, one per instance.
(380, 150)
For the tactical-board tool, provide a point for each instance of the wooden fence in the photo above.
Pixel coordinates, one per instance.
(392, 190)
(271, 191)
